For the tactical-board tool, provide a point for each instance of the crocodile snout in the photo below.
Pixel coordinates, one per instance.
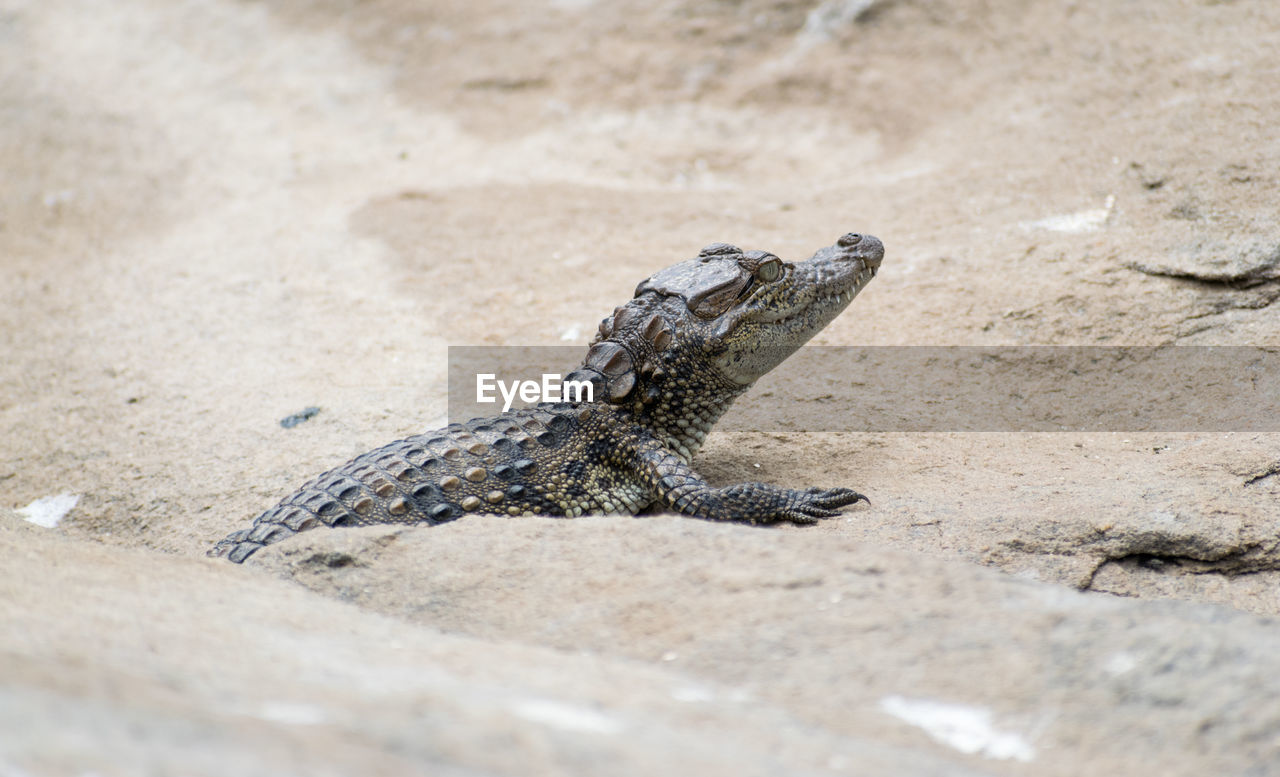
(868, 248)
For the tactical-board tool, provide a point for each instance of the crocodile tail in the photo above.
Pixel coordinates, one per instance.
(283, 521)
(236, 546)
(398, 483)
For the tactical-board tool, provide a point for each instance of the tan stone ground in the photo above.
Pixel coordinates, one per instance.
(215, 214)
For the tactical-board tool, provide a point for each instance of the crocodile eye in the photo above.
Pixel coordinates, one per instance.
(770, 271)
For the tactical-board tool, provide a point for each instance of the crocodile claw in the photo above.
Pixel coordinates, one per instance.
(813, 504)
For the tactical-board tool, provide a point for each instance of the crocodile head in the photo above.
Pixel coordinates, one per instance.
(748, 310)
(698, 333)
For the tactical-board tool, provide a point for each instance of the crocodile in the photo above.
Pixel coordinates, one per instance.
(663, 368)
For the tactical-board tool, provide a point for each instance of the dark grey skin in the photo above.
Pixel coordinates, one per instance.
(665, 366)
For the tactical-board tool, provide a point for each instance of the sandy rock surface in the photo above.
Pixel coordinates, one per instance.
(214, 215)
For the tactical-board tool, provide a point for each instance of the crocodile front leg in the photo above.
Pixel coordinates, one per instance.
(679, 487)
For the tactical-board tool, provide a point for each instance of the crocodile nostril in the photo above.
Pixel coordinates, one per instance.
(851, 239)
(867, 248)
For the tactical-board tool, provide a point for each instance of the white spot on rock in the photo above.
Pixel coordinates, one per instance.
(966, 728)
(1120, 663)
(825, 20)
(823, 23)
(572, 333)
(1080, 221)
(291, 713)
(47, 511)
(693, 693)
(566, 716)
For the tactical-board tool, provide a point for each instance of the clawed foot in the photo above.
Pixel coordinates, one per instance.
(763, 504)
(812, 504)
